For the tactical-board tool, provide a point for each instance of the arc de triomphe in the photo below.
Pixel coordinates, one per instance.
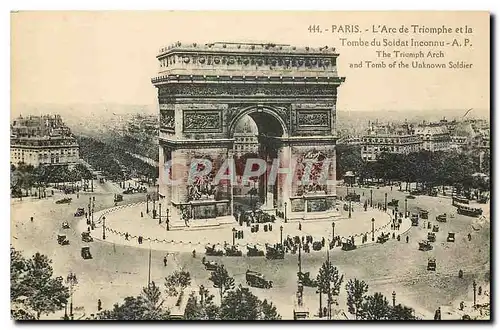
(290, 93)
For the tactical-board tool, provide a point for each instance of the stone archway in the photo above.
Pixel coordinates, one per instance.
(202, 92)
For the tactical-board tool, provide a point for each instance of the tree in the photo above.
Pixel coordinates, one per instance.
(204, 309)
(147, 306)
(401, 313)
(329, 281)
(33, 289)
(177, 282)
(375, 307)
(221, 279)
(356, 291)
(241, 304)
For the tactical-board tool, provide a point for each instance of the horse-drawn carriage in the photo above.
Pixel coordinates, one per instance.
(431, 237)
(424, 246)
(383, 238)
(414, 219)
(441, 217)
(254, 252)
(275, 252)
(305, 279)
(353, 197)
(424, 214)
(435, 228)
(79, 212)
(62, 240)
(257, 280)
(317, 246)
(118, 198)
(86, 237)
(451, 237)
(213, 251)
(232, 251)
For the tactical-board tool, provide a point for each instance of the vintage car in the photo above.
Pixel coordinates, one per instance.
(62, 240)
(79, 212)
(431, 264)
(382, 238)
(410, 197)
(459, 200)
(424, 246)
(275, 252)
(64, 201)
(213, 251)
(353, 197)
(209, 264)
(86, 237)
(348, 245)
(431, 237)
(257, 280)
(435, 228)
(118, 198)
(254, 252)
(65, 225)
(305, 279)
(441, 217)
(128, 191)
(414, 219)
(86, 252)
(483, 200)
(424, 214)
(232, 251)
(451, 237)
(317, 246)
(393, 203)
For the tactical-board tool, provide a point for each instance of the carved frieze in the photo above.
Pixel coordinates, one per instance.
(313, 120)
(167, 119)
(193, 90)
(202, 121)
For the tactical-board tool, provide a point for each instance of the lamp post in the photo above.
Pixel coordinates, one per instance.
(202, 294)
(147, 203)
(281, 235)
(406, 207)
(320, 303)
(154, 206)
(234, 235)
(333, 230)
(159, 213)
(285, 212)
(72, 282)
(474, 286)
(393, 298)
(350, 208)
(373, 229)
(103, 227)
(371, 197)
(168, 221)
(385, 202)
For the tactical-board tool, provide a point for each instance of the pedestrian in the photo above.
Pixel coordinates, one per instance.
(407, 239)
(88, 229)
(99, 305)
(165, 261)
(77, 195)
(126, 236)
(300, 226)
(142, 215)
(31, 219)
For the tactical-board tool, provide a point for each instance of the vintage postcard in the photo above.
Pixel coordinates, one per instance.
(250, 165)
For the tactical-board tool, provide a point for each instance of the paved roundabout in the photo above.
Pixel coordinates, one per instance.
(124, 224)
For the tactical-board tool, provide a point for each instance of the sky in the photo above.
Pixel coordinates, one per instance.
(109, 57)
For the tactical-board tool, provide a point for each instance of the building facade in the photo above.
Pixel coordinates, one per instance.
(434, 137)
(42, 140)
(389, 138)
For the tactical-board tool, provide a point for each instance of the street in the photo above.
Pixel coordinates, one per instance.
(122, 271)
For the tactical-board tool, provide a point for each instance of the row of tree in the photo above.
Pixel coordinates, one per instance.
(115, 163)
(428, 169)
(24, 177)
